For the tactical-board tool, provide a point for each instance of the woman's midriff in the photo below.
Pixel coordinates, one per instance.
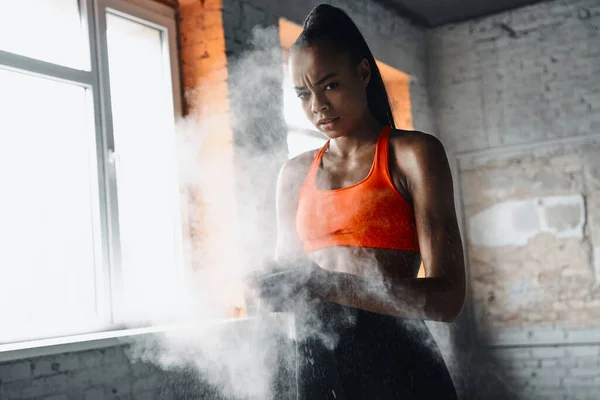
(387, 263)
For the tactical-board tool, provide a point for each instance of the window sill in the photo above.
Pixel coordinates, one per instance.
(88, 341)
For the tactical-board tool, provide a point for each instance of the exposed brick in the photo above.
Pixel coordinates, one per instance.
(57, 397)
(15, 371)
(118, 388)
(45, 386)
(548, 363)
(12, 390)
(568, 362)
(557, 50)
(544, 381)
(587, 371)
(139, 369)
(588, 362)
(549, 352)
(67, 362)
(114, 355)
(98, 375)
(145, 384)
(573, 382)
(149, 395)
(44, 367)
(92, 358)
(95, 393)
(583, 351)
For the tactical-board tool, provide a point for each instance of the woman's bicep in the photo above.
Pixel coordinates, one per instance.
(431, 188)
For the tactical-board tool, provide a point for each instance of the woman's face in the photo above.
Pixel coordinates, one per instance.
(332, 91)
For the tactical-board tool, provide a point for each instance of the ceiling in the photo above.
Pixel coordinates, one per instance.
(433, 13)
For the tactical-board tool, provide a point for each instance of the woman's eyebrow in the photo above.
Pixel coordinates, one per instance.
(320, 81)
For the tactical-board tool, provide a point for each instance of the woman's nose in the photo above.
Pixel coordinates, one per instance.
(319, 104)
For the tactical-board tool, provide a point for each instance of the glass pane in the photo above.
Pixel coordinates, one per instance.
(48, 203)
(48, 30)
(143, 123)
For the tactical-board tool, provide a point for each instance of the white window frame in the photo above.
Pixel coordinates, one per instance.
(93, 15)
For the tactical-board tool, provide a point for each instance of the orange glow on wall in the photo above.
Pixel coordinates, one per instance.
(204, 69)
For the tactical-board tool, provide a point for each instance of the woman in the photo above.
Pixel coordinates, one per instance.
(364, 210)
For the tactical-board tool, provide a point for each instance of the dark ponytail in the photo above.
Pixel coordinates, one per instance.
(326, 23)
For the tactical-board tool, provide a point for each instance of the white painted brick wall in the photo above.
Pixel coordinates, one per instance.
(88, 375)
(489, 89)
(551, 372)
(525, 76)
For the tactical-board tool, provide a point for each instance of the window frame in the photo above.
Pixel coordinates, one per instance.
(97, 81)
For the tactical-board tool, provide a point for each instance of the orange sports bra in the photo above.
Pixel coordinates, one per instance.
(370, 213)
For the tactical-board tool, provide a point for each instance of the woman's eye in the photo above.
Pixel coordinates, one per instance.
(330, 86)
(302, 95)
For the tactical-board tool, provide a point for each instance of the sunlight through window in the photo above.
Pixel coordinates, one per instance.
(88, 167)
(48, 30)
(49, 205)
(143, 127)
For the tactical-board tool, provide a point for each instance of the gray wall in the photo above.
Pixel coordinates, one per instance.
(88, 375)
(100, 374)
(516, 99)
(491, 89)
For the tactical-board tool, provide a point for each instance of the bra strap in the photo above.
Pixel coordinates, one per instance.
(311, 177)
(382, 150)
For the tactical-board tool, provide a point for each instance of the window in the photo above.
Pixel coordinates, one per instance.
(90, 217)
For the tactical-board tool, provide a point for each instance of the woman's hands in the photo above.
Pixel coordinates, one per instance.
(291, 285)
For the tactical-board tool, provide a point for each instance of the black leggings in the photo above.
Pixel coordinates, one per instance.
(376, 357)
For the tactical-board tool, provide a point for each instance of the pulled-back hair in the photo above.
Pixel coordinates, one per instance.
(328, 24)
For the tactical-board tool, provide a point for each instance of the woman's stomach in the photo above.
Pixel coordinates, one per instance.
(362, 261)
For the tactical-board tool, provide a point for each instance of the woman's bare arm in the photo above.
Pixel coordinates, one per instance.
(290, 180)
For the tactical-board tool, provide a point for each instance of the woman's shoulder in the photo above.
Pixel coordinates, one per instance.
(411, 136)
(415, 142)
(302, 159)
(301, 162)
(297, 167)
(415, 151)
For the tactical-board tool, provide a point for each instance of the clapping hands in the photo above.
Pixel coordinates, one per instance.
(290, 285)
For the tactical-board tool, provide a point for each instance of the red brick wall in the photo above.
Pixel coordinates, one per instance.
(204, 70)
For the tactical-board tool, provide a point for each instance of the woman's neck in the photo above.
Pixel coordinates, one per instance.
(364, 134)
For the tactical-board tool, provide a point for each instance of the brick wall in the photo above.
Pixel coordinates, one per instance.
(554, 371)
(516, 98)
(524, 76)
(538, 270)
(90, 375)
(170, 3)
(212, 201)
(100, 374)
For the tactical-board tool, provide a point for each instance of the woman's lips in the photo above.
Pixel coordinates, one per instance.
(329, 123)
